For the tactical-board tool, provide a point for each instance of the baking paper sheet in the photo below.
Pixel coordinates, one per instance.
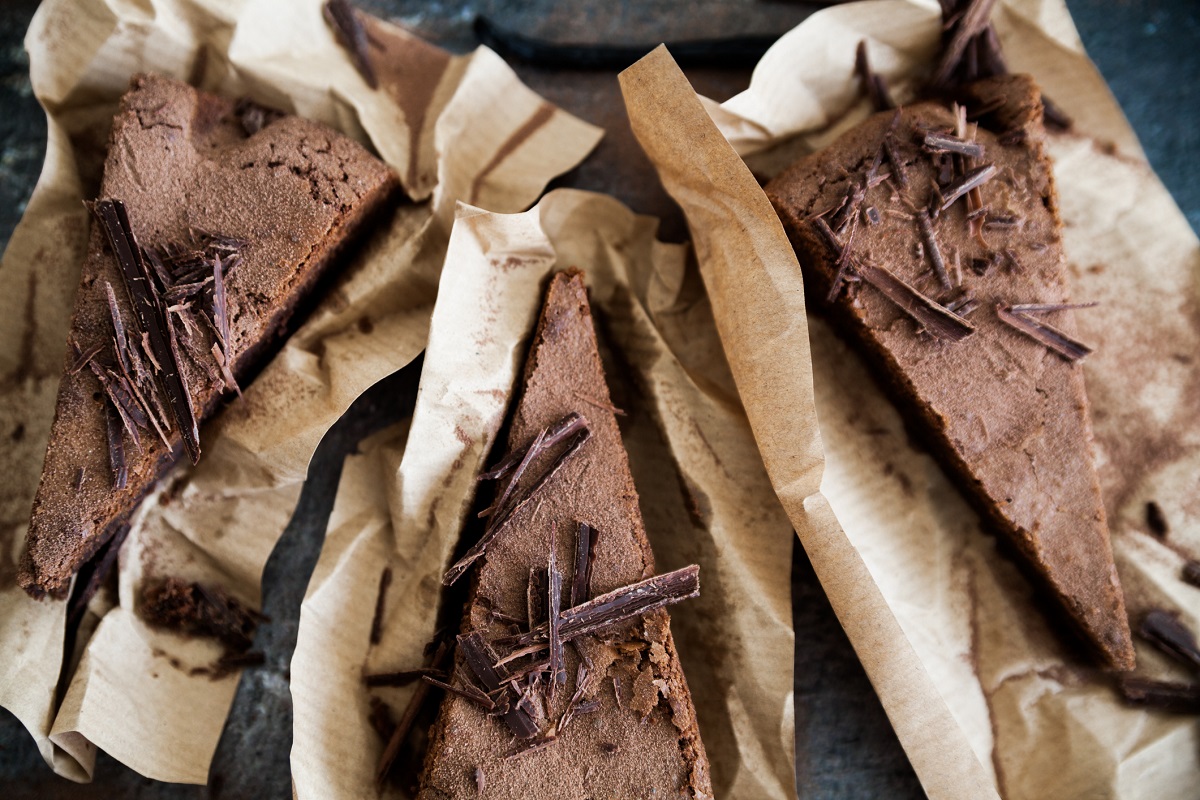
(453, 127)
(704, 493)
(983, 695)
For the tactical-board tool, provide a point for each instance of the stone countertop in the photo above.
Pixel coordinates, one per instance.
(845, 748)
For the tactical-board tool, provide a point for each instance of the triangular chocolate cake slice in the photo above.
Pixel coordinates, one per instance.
(936, 247)
(598, 706)
(215, 219)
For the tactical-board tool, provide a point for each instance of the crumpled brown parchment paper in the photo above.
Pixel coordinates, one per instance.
(984, 697)
(704, 493)
(453, 127)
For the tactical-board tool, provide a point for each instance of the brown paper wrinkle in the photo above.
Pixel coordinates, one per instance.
(223, 518)
(927, 602)
(490, 293)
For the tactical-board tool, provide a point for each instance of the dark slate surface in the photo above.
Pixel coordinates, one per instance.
(1148, 51)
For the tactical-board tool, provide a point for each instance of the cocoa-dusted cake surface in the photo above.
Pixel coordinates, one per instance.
(642, 740)
(185, 163)
(1006, 414)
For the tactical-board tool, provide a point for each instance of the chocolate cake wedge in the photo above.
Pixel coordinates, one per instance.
(564, 634)
(930, 238)
(214, 222)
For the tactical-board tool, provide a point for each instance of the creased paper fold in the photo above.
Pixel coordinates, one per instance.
(453, 127)
(983, 694)
(703, 490)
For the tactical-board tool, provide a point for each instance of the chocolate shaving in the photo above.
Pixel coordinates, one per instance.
(479, 658)
(972, 21)
(567, 426)
(962, 304)
(1156, 519)
(621, 605)
(541, 744)
(82, 359)
(399, 678)
(150, 315)
(1179, 698)
(945, 143)
(513, 501)
(406, 721)
(480, 781)
(842, 261)
(467, 692)
(1054, 116)
(873, 83)
(96, 571)
(223, 366)
(120, 340)
(1042, 308)
(255, 117)
(220, 313)
(558, 671)
(941, 323)
(871, 213)
(1164, 630)
(381, 719)
(893, 159)
(1043, 333)
(351, 34)
(855, 195)
(585, 557)
(521, 653)
(931, 247)
(1191, 573)
(534, 592)
(573, 707)
(117, 413)
(151, 256)
(385, 580)
(971, 180)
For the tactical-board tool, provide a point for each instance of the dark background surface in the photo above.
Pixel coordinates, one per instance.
(1148, 51)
